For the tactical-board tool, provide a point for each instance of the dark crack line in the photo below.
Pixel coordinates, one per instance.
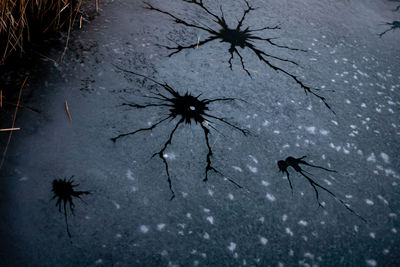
(178, 20)
(66, 219)
(114, 139)
(394, 25)
(244, 131)
(315, 184)
(209, 167)
(260, 54)
(145, 105)
(161, 155)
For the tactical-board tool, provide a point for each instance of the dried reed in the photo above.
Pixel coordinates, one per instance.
(21, 19)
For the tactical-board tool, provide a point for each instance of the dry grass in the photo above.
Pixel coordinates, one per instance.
(13, 122)
(20, 19)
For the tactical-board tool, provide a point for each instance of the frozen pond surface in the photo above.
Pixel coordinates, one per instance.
(246, 213)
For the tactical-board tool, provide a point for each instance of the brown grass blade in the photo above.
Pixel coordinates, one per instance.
(67, 109)
(10, 129)
(13, 122)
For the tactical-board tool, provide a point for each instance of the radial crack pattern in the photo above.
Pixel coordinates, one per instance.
(186, 109)
(64, 191)
(239, 36)
(295, 164)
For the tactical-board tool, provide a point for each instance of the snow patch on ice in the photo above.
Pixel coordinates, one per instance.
(160, 226)
(117, 206)
(263, 240)
(232, 246)
(236, 168)
(303, 223)
(144, 229)
(129, 175)
(310, 129)
(253, 158)
(372, 157)
(385, 157)
(288, 231)
(252, 169)
(369, 202)
(270, 197)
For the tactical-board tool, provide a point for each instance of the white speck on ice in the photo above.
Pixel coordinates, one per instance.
(164, 253)
(284, 217)
(372, 235)
(210, 219)
(160, 226)
(288, 231)
(144, 229)
(270, 197)
(345, 151)
(232, 246)
(236, 168)
(310, 129)
(265, 183)
(252, 169)
(263, 240)
(253, 158)
(206, 236)
(309, 255)
(385, 157)
(117, 206)
(369, 202)
(383, 199)
(303, 223)
(129, 175)
(324, 132)
(170, 156)
(265, 123)
(371, 262)
(371, 158)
